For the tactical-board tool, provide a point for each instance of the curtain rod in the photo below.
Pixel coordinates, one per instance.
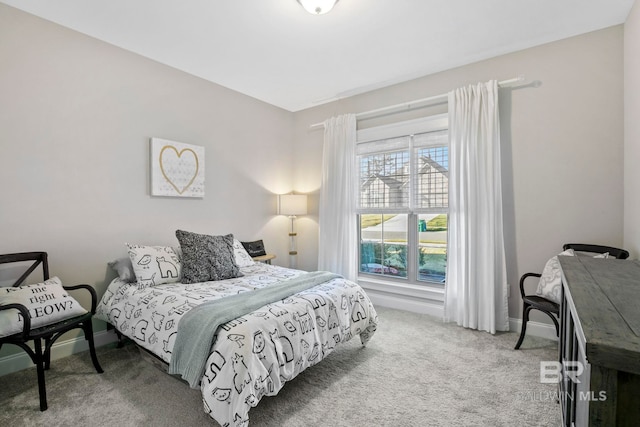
(411, 105)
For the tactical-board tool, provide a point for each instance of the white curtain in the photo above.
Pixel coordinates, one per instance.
(476, 288)
(338, 250)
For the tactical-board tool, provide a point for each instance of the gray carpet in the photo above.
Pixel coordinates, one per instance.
(416, 371)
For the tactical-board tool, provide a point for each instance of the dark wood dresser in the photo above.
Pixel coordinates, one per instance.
(600, 342)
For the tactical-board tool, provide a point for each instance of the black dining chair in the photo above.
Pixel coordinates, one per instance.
(41, 356)
(551, 308)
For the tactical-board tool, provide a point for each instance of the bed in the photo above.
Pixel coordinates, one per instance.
(253, 355)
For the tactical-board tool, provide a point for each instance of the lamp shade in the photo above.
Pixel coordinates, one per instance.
(292, 204)
(318, 7)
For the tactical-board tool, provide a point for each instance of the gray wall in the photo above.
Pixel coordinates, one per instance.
(562, 145)
(632, 131)
(76, 115)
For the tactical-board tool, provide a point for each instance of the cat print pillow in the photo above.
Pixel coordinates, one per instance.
(155, 265)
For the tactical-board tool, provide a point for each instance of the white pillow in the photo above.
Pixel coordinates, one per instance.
(47, 303)
(604, 255)
(550, 284)
(242, 256)
(155, 265)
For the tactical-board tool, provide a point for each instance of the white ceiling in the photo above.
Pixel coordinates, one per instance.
(275, 51)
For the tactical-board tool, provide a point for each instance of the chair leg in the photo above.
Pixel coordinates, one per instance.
(47, 353)
(525, 318)
(40, 362)
(88, 335)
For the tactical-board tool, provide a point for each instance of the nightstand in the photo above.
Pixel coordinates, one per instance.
(264, 258)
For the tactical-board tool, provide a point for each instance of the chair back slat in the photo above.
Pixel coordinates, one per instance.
(38, 258)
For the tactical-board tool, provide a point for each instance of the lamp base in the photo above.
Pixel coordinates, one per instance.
(293, 252)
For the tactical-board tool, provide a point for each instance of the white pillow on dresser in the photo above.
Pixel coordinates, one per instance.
(550, 284)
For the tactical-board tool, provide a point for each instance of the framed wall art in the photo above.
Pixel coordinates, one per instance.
(177, 169)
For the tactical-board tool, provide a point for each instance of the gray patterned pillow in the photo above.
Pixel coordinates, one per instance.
(206, 258)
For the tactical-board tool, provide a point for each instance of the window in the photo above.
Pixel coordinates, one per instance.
(403, 200)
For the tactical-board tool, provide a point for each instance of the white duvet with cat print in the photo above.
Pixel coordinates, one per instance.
(254, 355)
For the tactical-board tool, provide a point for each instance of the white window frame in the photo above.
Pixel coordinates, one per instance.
(409, 286)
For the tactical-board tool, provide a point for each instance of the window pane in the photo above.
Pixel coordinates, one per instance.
(404, 180)
(432, 177)
(384, 180)
(432, 247)
(383, 244)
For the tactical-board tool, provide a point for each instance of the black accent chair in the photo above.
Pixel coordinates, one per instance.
(49, 333)
(550, 308)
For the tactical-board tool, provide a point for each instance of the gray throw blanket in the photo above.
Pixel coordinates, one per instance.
(197, 328)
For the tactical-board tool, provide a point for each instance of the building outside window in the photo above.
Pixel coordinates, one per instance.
(403, 201)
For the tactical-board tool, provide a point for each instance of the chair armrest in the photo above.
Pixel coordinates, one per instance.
(26, 318)
(522, 279)
(94, 296)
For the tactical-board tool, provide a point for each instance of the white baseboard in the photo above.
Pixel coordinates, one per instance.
(407, 303)
(19, 361)
(538, 329)
(436, 308)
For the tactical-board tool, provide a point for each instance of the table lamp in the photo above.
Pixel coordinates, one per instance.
(292, 205)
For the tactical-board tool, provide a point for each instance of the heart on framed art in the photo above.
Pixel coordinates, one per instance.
(177, 169)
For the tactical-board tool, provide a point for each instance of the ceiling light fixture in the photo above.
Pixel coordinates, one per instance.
(318, 7)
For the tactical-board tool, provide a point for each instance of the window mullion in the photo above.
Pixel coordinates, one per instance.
(412, 180)
(412, 235)
(382, 244)
(412, 244)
